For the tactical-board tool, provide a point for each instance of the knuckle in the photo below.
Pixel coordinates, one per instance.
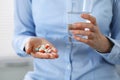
(89, 16)
(78, 25)
(91, 26)
(89, 33)
(94, 20)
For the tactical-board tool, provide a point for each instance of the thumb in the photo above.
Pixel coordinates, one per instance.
(28, 48)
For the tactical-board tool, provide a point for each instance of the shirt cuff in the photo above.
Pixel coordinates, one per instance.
(114, 54)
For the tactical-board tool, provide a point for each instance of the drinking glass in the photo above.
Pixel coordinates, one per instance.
(74, 9)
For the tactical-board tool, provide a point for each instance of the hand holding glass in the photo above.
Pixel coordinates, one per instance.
(75, 9)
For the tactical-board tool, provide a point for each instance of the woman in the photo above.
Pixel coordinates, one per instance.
(41, 22)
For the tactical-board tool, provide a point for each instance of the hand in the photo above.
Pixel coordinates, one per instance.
(95, 39)
(34, 43)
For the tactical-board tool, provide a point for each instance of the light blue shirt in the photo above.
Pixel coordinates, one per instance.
(47, 19)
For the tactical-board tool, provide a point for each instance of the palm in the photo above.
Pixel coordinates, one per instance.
(37, 42)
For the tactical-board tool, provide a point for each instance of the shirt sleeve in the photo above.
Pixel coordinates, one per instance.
(114, 55)
(24, 27)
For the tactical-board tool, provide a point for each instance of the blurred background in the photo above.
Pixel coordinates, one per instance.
(12, 67)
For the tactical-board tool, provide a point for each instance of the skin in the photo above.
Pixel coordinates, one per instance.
(95, 39)
(35, 42)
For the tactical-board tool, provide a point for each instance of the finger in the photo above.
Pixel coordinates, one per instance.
(74, 26)
(89, 17)
(40, 55)
(54, 50)
(28, 48)
(45, 42)
(45, 55)
(86, 41)
(82, 32)
(53, 55)
(83, 26)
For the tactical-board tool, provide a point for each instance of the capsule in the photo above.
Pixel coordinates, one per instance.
(47, 46)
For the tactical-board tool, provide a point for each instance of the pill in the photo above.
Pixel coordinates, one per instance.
(45, 49)
(48, 50)
(47, 46)
(36, 49)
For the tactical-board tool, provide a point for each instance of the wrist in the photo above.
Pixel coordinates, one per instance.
(111, 44)
(107, 45)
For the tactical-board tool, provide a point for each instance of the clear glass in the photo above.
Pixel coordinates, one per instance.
(74, 9)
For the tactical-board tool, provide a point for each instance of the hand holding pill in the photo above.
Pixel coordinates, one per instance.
(40, 48)
(45, 49)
